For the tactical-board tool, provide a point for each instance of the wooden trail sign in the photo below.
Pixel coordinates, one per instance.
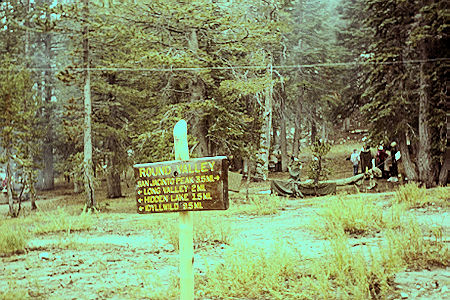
(183, 186)
(175, 186)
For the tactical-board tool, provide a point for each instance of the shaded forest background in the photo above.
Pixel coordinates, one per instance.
(87, 88)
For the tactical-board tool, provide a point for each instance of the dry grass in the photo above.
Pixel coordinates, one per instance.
(415, 249)
(252, 273)
(259, 205)
(412, 196)
(346, 274)
(60, 220)
(14, 292)
(352, 215)
(12, 239)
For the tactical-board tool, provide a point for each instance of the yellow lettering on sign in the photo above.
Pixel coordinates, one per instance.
(191, 205)
(198, 188)
(184, 180)
(155, 171)
(179, 197)
(198, 205)
(201, 196)
(175, 189)
(152, 191)
(206, 178)
(169, 206)
(195, 168)
(142, 183)
(156, 199)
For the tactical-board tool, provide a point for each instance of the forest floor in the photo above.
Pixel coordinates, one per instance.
(120, 254)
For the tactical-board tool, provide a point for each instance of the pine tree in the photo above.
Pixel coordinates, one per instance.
(402, 103)
(18, 122)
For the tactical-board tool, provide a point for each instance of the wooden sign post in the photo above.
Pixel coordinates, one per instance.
(186, 233)
(183, 185)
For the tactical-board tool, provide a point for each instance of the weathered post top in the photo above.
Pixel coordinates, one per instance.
(180, 140)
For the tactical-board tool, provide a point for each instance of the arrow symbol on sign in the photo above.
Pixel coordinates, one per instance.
(140, 200)
(141, 208)
(217, 177)
(139, 192)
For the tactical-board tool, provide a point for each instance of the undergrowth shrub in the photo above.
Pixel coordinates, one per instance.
(412, 196)
(414, 249)
(14, 292)
(12, 239)
(346, 274)
(250, 272)
(355, 216)
(440, 196)
(261, 205)
(207, 230)
(211, 229)
(60, 220)
(151, 286)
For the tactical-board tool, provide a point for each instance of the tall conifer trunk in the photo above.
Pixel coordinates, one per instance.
(297, 123)
(113, 175)
(408, 164)
(87, 164)
(28, 152)
(47, 153)
(199, 125)
(283, 140)
(443, 174)
(262, 165)
(9, 185)
(424, 160)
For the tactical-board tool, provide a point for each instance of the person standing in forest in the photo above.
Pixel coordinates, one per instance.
(366, 159)
(393, 171)
(380, 160)
(354, 158)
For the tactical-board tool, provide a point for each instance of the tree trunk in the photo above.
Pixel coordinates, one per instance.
(48, 175)
(443, 174)
(9, 184)
(30, 181)
(262, 166)
(298, 128)
(408, 165)
(113, 184)
(77, 186)
(28, 151)
(283, 143)
(275, 140)
(283, 139)
(324, 130)
(113, 175)
(198, 125)
(313, 130)
(424, 161)
(87, 163)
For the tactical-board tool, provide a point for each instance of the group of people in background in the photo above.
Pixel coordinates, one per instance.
(386, 159)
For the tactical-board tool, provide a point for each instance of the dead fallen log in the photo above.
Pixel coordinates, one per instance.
(292, 188)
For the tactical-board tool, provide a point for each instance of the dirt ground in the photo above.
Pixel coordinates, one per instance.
(115, 253)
